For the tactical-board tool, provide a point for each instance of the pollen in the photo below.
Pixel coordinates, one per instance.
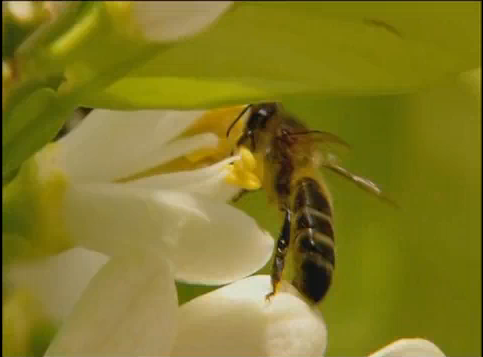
(242, 172)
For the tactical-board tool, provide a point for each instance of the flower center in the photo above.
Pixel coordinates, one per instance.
(243, 172)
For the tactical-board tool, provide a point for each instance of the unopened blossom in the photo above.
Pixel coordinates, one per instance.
(409, 347)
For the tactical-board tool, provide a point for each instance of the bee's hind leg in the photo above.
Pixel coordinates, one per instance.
(279, 259)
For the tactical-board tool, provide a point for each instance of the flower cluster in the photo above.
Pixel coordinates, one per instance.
(99, 225)
(114, 292)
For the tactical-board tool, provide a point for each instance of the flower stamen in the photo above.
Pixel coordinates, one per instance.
(242, 172)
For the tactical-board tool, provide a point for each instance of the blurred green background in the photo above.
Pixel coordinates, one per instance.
(412, 272)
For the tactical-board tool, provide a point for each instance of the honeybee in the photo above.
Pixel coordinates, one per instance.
(288, 161)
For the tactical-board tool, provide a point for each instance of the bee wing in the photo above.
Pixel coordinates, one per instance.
(331, 142)
(321, 137)
(329, 145)
(366, 184)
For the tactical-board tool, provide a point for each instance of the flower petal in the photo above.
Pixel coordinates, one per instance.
(172, 150)
(113, 220)
(108, 144)
(58, 281)
(209, 242)
(219, 247)
(129, 308)
(409, 348)
(236, 320)
(207, 181)
(174, 20)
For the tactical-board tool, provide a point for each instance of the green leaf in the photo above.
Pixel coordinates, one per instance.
(21, 115)
(158, 92)
(21, 122)
(263, 50)
(30, 124)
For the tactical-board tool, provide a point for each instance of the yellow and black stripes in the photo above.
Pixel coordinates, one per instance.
(309, 194)
(313, 242)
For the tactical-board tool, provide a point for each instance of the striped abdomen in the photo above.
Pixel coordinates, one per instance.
(313, 243)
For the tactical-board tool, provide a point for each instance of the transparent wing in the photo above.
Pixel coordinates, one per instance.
(363, 183)
(327, 144)
(321, 137)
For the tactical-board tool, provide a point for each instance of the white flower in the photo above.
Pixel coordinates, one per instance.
(409, 347)
(180, 215)
(237, 320)
(174, 20)
(233, 320)
(57, 282)
(155, 229)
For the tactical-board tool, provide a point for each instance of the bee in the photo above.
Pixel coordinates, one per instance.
(288, 161)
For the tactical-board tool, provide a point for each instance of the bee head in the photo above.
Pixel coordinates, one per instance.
(260, 114)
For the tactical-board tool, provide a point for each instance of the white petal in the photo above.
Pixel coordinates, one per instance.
(173, 20)
(109, 144)
(58, 281)
(208, 241)
(236, 320)
(173, 150)
(222, 246)
(413, 347)
(208, 181)
(129, 309)
(113, 220)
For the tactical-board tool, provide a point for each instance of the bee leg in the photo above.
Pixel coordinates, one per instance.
(279, 260)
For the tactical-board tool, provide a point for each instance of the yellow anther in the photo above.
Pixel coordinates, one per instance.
(247, 159)
(239, 175)
(238, 166)
(252, 182)
(232, 178)
(252, 185)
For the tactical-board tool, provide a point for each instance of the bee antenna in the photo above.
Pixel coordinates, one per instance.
(237, 118)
